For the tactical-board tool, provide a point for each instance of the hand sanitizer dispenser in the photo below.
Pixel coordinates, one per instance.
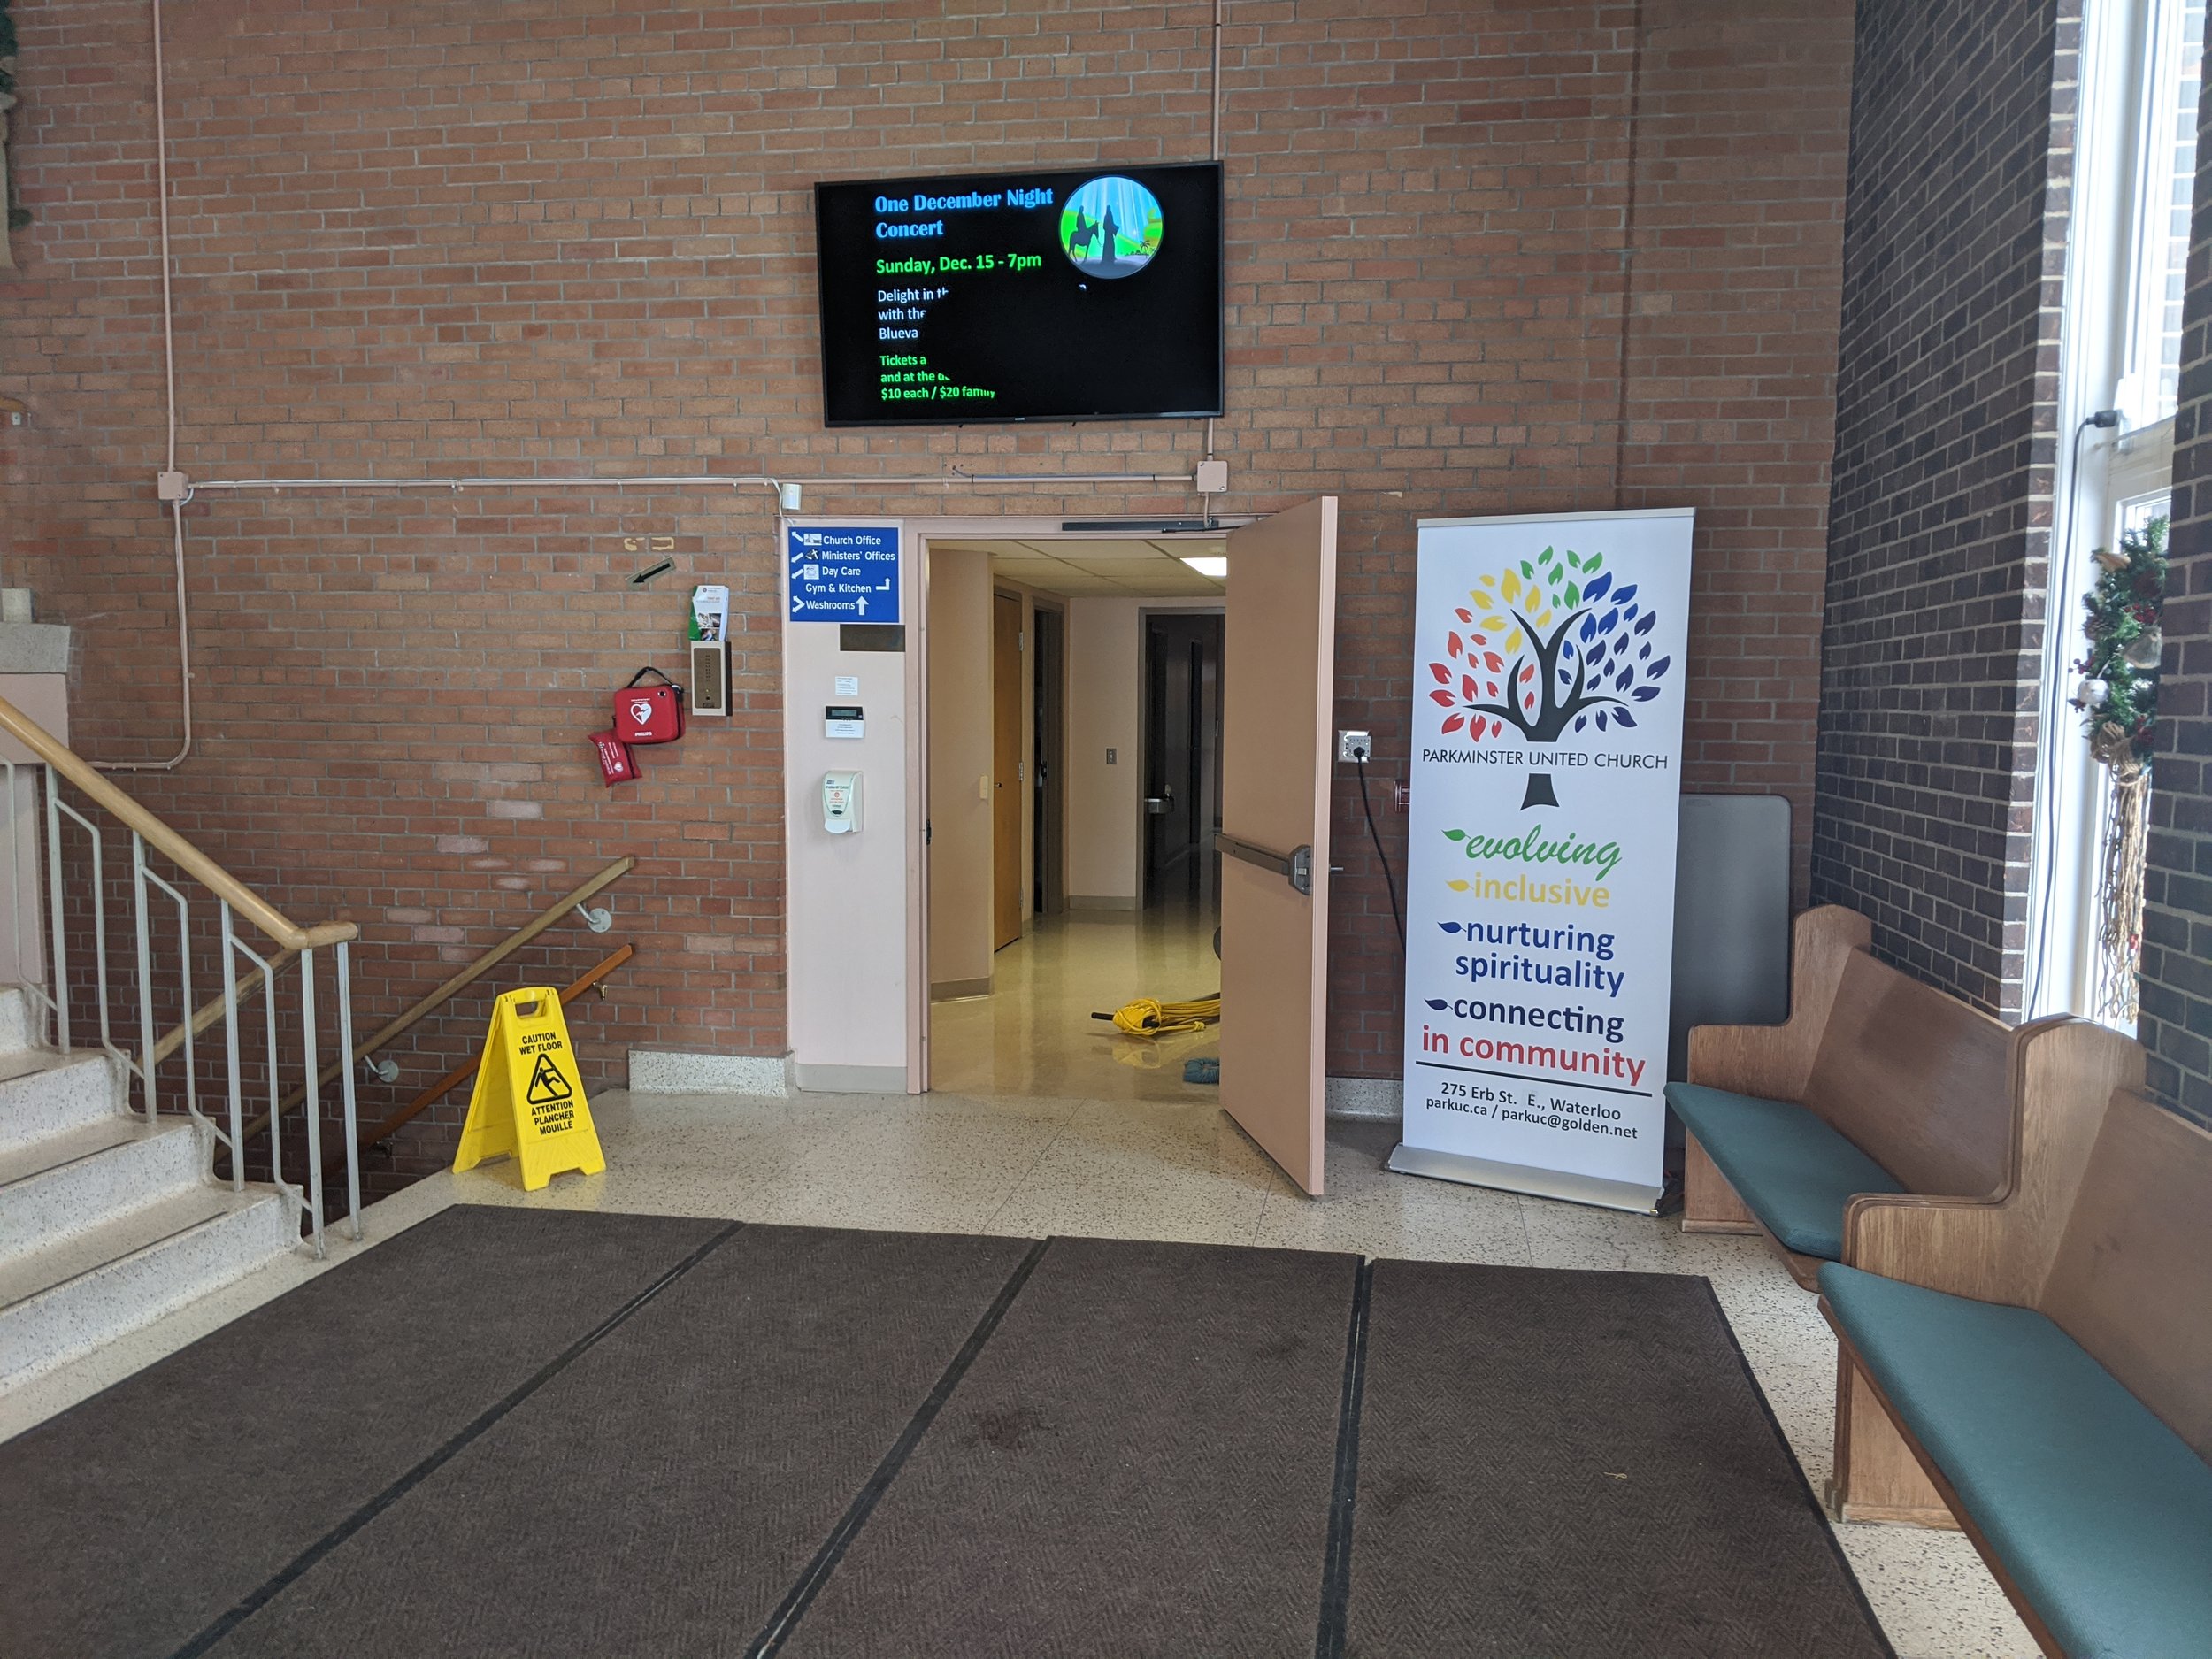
(841, 802)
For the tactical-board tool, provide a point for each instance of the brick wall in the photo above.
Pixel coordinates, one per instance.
(1940, 515)
(437, 237)
(2177, 978)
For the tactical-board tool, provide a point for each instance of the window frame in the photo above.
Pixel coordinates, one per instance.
(2111, 350)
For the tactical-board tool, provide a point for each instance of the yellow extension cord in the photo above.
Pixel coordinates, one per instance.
(1147, 1016)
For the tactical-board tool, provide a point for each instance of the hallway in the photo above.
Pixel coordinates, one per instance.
(1033, 1034)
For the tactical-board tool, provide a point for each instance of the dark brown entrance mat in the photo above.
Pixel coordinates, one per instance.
(1570, 1463)
(128, 1522)
(662, 1494)
(516, 1431)
(1140, 1462)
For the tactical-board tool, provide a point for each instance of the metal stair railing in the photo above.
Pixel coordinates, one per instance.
(576, 899)
(42, 966)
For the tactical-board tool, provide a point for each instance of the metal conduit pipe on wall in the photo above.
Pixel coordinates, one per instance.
(948, 480)
(169, 391)
(175, 489)
(1214, 153)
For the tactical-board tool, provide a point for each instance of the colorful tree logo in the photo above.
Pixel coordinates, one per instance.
(1515, 665)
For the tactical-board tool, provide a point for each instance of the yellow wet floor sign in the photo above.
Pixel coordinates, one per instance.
(529, 1099)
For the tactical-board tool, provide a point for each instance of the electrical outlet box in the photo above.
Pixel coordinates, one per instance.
(1351, 746)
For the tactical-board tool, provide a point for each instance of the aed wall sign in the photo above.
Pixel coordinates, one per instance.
(843, 572)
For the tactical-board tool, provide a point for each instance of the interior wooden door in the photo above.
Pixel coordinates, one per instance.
(1007, 795)
(1279, 664)
(1047, 781)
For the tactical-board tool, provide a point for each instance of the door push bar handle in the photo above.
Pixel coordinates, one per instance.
(1297, 869)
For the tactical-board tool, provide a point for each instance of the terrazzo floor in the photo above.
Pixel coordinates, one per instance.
(1144, 1169)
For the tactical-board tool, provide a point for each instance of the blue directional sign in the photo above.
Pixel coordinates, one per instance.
(843, 572)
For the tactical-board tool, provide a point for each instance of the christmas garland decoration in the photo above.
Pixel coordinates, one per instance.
(2119, 695)
(2120, 690)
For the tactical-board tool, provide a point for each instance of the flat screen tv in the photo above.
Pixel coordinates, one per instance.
(1092, 294)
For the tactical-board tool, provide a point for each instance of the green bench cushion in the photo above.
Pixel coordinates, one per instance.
(1791, 1170)
(2100, 1514)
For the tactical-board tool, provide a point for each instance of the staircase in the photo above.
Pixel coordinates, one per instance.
(106, 1224)
(111, 1216)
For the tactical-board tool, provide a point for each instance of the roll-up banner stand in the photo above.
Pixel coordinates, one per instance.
(1546, 751)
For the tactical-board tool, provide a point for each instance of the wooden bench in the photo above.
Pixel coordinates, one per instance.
(1877, 1083)
(2046, 1361)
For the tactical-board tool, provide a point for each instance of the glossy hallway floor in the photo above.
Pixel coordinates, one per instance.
(1033, 1034)
(1156, 1168)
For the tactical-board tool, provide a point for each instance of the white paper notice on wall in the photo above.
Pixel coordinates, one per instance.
(1547, 746)
(710, 611)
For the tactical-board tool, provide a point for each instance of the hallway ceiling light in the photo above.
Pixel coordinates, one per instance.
(1209, 565)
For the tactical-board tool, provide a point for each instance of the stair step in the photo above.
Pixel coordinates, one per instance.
(69, 1184)
(43, 1094)
(36, 1156)
(75, 1294)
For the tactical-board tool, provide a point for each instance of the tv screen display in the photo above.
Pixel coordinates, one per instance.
(1092, 294)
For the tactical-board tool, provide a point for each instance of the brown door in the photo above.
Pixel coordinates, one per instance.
(1279, 666)
(1048, 787)
(1181, 655)
(1007, 795)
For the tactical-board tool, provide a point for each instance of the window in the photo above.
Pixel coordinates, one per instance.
(2158, 255)
(2120, 355)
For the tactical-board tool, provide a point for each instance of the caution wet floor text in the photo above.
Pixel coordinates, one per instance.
(529, 1099)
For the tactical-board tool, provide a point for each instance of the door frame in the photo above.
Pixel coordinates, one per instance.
(1018, 742)
(919, 533)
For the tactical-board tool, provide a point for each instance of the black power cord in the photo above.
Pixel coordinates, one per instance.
(1390, 882)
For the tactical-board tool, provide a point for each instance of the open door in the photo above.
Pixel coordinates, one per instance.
(1280, 661)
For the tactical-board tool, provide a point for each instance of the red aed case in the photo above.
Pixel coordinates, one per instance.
(617, 765)
(649, 714)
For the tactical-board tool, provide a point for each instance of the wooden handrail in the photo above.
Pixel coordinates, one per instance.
(462, 1072)
(211, 1011)
(272, 922)
(459, 982)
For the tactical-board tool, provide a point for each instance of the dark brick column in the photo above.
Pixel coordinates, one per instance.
(1939, 512)
(2176, 1022)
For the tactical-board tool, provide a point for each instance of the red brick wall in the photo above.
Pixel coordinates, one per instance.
(437, 238)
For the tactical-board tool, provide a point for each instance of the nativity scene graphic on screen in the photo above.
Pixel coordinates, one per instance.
(1074, 295)
(1111, 228)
